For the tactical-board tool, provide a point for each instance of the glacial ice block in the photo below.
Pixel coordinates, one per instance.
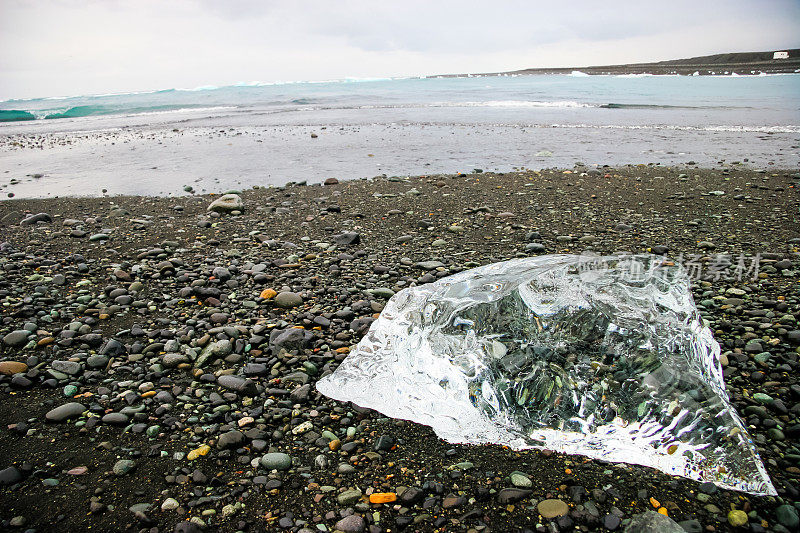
(605, 357)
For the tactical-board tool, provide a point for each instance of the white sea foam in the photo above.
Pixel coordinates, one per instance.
(578, 74)
(181, 110)
(565, 104)
(514, 103)
(732, 128)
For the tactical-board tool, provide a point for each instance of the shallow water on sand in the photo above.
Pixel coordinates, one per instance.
(237, 137)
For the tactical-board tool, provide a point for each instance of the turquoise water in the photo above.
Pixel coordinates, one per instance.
(212, 139)
(744, 101)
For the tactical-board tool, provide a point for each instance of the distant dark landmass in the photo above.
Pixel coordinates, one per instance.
(742, 63)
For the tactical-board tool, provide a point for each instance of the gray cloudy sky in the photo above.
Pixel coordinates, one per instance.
(68, 47)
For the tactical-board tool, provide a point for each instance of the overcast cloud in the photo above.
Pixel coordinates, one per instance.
(68, 47)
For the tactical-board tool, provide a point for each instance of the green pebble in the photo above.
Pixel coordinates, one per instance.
(763, 357)
(520, 480)
(765, 399)
(776, 434)
(70, 391)
(787, 516)
(737, 518)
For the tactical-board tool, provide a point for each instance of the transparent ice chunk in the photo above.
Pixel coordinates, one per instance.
(605, 357)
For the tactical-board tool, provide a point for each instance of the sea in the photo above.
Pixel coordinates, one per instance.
(213, 139)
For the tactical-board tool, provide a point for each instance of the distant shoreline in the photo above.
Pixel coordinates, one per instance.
(741, 63)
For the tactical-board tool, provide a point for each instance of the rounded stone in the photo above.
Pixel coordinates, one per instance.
(171, 360)
(227, 203)
(737, 518)
(276, 461)
(288, 299)
(169, 504)
(16, 338)
(520, 480)
(349, 497)
(10, 476)
(123, 466)
(9, 368)
(232, 439)
(650, 521)
(552, 508)
(115, 419)
(64, 412)
(97, 361)
(351, 524)
(787, 516)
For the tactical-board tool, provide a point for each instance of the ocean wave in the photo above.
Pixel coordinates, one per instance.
(578, 74)
(79, 111)
(15, 115)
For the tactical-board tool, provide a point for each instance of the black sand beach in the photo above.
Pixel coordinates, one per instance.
(108, 304)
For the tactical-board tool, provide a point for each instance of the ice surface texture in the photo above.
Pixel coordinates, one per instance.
(605, 357)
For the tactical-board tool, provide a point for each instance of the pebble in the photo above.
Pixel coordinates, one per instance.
(9, 476)
(238, 384)
(115, 419)
(198, 452)
(535, 248)
(230, 439)
(518, 479)
(552, 508)
(123, 466)
(288, 299)
(276, 461)
(16, 338)
(170, 504)
(429, 265)
(64, 412)
(33, 219)
(347, 238)
(351, 524)
(349, 497)
(787, 516)
(9, 368)
(652, 522)
(737, 518)
(509, 495)
(226, 203)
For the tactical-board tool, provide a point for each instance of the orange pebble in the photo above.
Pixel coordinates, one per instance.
(148, 394)
(655, 503)
(382, 497)
(663, 510)
(268, 294)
